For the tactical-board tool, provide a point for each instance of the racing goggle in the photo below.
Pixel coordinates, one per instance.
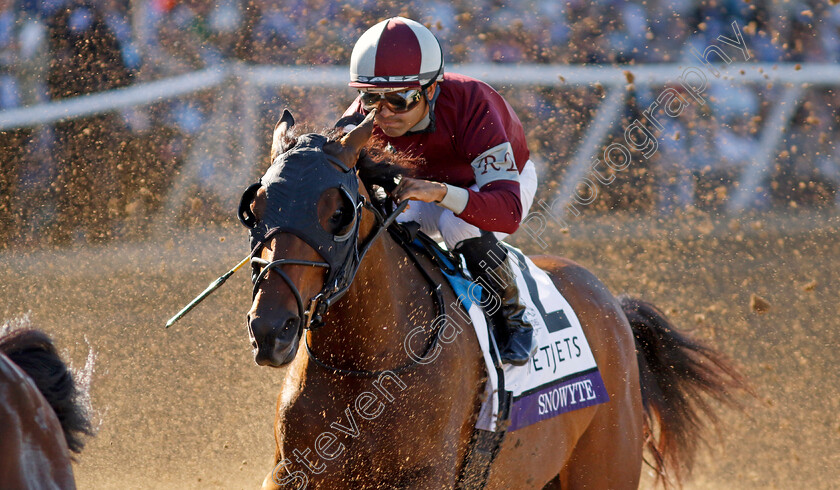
(401, 101)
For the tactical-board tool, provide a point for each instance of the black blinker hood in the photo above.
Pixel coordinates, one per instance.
(294, 183)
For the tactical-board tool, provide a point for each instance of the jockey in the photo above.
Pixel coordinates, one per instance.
(476, 181)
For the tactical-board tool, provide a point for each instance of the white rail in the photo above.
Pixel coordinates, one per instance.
(247, 79)
(336, 76)
(121, 98)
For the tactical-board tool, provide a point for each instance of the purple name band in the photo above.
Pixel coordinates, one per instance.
(583, 391)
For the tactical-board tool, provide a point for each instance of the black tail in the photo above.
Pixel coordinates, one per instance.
(34, 352)
(678, 377)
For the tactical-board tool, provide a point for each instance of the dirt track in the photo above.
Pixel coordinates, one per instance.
(188, 408)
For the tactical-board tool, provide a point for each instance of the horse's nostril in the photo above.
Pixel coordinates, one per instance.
(251, 331)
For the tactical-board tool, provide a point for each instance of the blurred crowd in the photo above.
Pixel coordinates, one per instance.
(100, 176)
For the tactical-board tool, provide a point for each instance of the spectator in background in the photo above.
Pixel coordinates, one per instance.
(116, 16)
(274, 36)
(805, 41)
(628, 39)
(767, 37)
(808, 168)
(733, 109)
(10, 96)
(86, 58)
(12, 142)
(161, 38)
(686, 153)
(507, 39)
(174, 43)
(587, 44)
(22, 73)
(830, 34)
(669, 28)
(225, 22)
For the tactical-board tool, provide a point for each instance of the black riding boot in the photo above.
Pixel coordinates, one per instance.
(488, 262)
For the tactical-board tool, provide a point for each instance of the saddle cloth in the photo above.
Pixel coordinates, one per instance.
(561, 376)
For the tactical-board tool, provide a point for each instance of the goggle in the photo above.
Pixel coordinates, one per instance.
(402, 101)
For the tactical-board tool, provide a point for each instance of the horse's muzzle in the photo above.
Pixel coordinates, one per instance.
(275, 342)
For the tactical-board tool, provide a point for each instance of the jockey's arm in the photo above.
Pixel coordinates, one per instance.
(420, 190)
(495, 206)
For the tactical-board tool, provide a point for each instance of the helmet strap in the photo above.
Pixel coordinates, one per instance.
(430, 127)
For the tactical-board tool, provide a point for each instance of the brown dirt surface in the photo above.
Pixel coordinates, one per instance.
(188, 408)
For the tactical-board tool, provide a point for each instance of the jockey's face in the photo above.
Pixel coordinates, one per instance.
(395, 124)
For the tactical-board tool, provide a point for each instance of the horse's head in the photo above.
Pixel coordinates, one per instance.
(304, 219)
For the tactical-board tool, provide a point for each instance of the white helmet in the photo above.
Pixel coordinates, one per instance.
(396, 53)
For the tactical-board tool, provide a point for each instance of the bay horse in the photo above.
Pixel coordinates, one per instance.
(41, 419)
(366, 402)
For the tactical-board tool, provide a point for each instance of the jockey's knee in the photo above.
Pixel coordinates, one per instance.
(454, 230)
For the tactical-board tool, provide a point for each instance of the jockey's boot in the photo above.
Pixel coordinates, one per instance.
(490, 266)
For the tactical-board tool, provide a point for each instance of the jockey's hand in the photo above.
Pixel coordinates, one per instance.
(419, 190)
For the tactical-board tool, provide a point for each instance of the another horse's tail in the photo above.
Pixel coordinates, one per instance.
(34, 352)
(678, 376)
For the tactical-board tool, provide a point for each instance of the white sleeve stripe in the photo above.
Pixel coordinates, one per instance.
(456, 199)
(497, 163)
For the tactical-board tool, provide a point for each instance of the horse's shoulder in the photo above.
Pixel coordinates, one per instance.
(12, 376)
(16, 386)
(35, 452)
(20, 399)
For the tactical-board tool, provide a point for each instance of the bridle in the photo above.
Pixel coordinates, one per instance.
(342, 253)
(342, 263)
(331, 291)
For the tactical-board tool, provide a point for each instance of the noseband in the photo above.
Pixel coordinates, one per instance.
(295, 181)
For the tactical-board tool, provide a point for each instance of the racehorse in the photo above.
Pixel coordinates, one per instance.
(41, 420)
(369, 401)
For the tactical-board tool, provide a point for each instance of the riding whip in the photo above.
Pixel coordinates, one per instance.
(212, 287)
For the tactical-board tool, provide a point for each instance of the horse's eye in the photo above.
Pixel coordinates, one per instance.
(341, 221)
(337, 216)
(337, 212)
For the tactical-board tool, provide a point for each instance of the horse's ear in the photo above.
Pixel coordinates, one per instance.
(281, 140)
(353, 142)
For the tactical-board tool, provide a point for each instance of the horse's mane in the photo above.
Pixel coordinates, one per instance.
(379, 163)
(34, 352)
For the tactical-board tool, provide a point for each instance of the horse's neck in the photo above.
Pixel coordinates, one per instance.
(367, 328)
